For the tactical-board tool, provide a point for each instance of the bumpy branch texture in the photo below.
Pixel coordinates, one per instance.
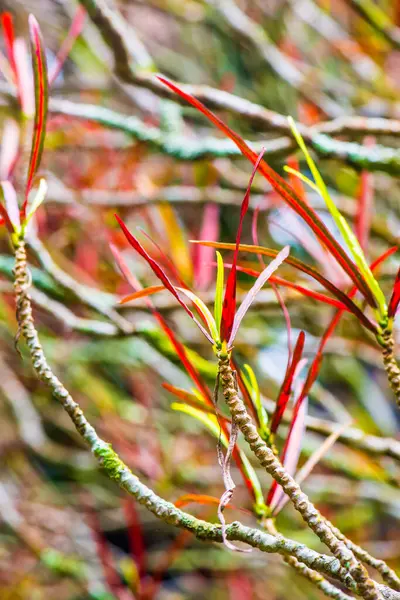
(391, 367)
(299, 500)
(119, 472)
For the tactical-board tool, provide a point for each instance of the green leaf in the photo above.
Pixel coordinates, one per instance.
(254, 391)
(204, 311)
(219, 288)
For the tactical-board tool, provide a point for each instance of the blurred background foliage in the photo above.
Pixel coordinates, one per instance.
(317, 60)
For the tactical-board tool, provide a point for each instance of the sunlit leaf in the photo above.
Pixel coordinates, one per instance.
(204, 311)
(343, 226)
(37, 201)
(219, 288)
(256, 398)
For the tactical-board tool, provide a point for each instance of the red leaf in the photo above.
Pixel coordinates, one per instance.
(395, 299)
(298, 264)
(9, 38)
(157, 270)
(229, 306)
(39, 66)
(290, 456)
(286, 192)
(179, 348)
(316, 364)
(294, 286)
(137, 545)
(5, 219)
(286, 388)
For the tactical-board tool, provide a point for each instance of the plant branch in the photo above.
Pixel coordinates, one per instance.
(300, 501)
(392, 369)
(119, 472)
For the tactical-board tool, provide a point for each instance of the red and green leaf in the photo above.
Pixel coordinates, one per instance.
(287, 193)
(229, 305)
(39, 66)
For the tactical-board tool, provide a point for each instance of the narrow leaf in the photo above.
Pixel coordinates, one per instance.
(144, 293)
(198, 499)
(5, 219)
(395, 299)
(343, 226)
(252, 293)
(193, 400)
(157, 270)
(9, 38)
(219, 288)
(229, 306)
(176, 344)
(287, 193)
(256, 398)
(39, 66)
(286, 388)
(37, 201)
(204, 310)
(298, 264)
